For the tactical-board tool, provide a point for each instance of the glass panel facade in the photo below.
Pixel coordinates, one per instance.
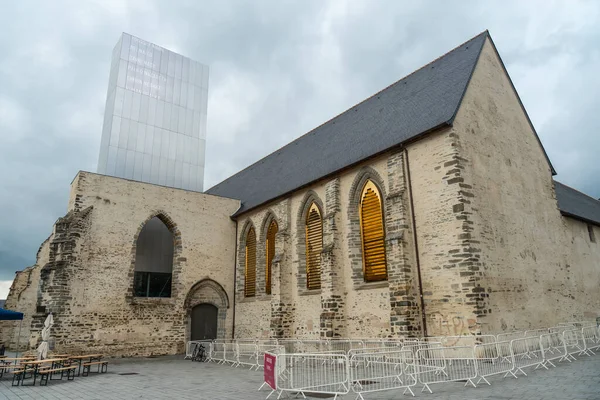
(155, 117)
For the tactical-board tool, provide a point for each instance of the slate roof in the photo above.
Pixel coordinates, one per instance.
(578, 205)
(423, 101)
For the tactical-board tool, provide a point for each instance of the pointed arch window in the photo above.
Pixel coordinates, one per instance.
(153, 269)
(372, 232)
(271, 232)
(314, 246)
(250, 269)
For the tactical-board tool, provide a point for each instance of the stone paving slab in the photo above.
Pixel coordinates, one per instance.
(175, 378)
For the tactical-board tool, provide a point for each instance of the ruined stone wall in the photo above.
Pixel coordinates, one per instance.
(23, 297)
(345, 306)
(87, 282)
(538, 267)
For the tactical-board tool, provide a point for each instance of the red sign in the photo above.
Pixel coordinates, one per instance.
(270, 361)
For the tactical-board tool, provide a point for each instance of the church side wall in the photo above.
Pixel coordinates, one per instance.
(345, 306)
(102, 313)
(539, 268)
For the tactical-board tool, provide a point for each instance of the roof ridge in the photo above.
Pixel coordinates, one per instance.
(462, 96)
(485, 32)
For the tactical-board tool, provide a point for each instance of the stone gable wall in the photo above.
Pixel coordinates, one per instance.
(539, 268)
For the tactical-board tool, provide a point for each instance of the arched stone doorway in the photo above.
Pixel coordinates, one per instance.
(206, 306)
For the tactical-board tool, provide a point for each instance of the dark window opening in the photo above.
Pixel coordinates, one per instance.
(152, 284)
(40, 309)
(591, 233)
(153, 260)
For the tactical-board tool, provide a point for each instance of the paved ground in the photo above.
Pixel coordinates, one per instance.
(174, 378)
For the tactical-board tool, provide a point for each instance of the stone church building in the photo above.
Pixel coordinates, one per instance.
(427, 209)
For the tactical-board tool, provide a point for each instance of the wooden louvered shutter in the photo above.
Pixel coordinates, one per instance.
(250, 281)
(271, 232)
(314, 246)
(372, 234)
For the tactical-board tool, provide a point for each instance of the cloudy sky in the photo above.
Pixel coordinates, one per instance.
(277, 69)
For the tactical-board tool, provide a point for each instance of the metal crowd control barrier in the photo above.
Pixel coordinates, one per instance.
(445, 364)
(351, 353)
(189, 348)
(313, 346)
(274, 370)
(230, 353)
(508, 336)
(560, 328)
(553, 348)
(535, 332)
(376, 371)
(574, 343)
(493, 359)
(338, 366)
(313, 373)
(344, 345)
(217, 352)
(591, 337)
(247, 354)
(415, 346)
(375, 344)
(398, 343)
(267, 348)
(290, 345)
(527, 352)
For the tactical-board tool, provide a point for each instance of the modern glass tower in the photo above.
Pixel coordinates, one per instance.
(155, 118)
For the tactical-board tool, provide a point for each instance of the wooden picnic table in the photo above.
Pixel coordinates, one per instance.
(80, 359)
(10, 360)
(47, 360)
(85, 356)
(34, 366)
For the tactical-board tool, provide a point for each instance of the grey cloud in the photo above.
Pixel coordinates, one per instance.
(278, 69)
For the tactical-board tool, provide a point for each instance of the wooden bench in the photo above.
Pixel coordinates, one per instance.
(102, 367)
(45, 373)
(17, 375)
(8, 367)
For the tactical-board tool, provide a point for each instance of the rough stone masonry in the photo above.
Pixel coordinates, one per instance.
(478, 237)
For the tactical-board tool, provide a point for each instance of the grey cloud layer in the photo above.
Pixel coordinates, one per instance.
(278, 69)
